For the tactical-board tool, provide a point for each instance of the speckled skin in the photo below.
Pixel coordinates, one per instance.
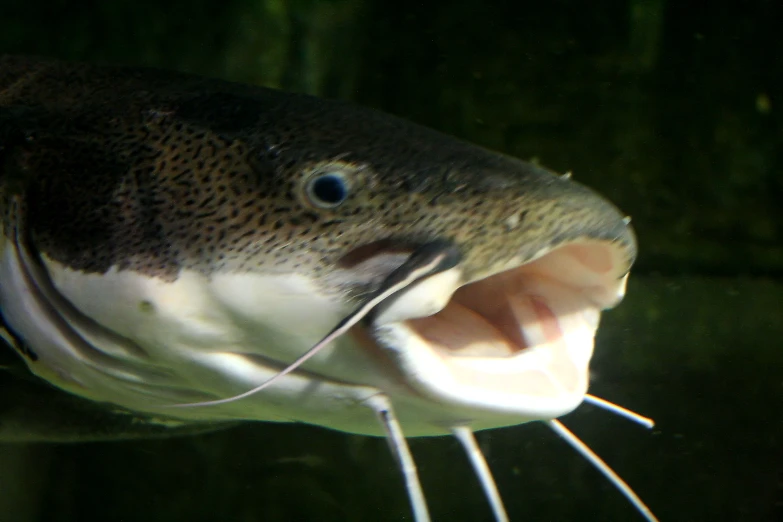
(154, 171)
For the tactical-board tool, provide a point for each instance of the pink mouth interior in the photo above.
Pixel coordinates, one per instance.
(483, 320)
(512, 311)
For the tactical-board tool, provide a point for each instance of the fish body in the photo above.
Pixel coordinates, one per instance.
(170, 240)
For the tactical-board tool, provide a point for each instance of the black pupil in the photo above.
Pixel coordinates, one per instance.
(329, 189)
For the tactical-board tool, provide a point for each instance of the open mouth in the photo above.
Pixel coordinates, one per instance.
(518, 341)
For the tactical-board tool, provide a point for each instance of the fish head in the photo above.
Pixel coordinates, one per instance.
(174, 239)
(506, 334)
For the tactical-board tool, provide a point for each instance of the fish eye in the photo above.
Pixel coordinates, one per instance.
(327, 190)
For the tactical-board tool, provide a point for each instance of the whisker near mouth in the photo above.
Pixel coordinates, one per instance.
(402, 453)
(465, 436)
(619, 410)
(428, 260)
(599, 464)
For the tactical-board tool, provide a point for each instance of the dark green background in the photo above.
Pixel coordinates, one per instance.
(671, 109)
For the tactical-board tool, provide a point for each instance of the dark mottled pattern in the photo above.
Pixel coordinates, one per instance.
(154, 171)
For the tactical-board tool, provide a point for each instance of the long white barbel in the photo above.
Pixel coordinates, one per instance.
(465, 436)
(598, 463)
(619, 410)
(428, 260)
(402, 454)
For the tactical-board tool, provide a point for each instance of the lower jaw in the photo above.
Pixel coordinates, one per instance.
(483, 391)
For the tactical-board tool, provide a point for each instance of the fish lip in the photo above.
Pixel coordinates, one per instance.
(502, 384)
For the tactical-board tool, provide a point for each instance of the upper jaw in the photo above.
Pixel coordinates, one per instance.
(515, 343)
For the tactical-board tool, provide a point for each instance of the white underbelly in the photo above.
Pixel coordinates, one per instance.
(201, 338)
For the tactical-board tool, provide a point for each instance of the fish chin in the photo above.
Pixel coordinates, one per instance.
(515, 344)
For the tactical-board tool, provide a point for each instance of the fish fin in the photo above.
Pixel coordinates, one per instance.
(32, 410)
(10, 358)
